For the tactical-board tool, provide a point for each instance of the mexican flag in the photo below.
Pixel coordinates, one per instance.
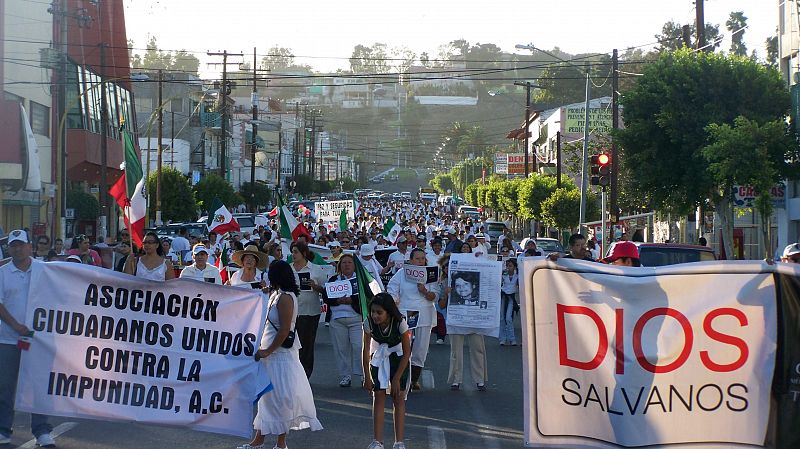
(222, 263)
(291, 229)
(128, 191)
(220, 219)
(367, 287)
(391, 230)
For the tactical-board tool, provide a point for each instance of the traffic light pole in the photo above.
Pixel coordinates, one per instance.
(585, 154)
(603, 222)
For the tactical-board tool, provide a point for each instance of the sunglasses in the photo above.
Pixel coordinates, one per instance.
(151, 242)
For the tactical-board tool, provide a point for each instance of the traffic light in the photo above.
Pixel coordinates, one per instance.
(601, 170)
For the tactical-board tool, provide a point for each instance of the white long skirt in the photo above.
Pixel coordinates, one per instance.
(290, 404)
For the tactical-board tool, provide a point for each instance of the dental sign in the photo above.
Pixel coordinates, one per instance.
(648, 360)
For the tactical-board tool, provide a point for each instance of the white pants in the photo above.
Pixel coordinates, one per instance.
(419, 351)
(347, 334)
(477, 358)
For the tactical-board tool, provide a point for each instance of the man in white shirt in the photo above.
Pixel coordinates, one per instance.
(399, 257)
(15, 282)
(181, 245)
(435, 253)
(200, 269)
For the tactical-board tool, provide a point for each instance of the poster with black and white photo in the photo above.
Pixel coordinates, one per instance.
(474, 300)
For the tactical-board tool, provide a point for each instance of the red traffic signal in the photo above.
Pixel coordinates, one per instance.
(601, 169)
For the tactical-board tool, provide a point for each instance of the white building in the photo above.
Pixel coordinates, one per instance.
(788, 218)
(174, 153)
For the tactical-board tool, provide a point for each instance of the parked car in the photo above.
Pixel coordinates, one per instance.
(247, 222)
(406, 195)
(200, 228)
(469, 212)
(547, 246)
(494, 229)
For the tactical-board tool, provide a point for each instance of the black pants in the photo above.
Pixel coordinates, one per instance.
(306, 328)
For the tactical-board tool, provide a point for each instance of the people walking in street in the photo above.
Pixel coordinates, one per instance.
(385, 359)
(311, 280)
(152, 264)
(15, 282)
(290, 405)
(509, 289)
(252, 263)
(346, 321)
(441, 305)
(416, 298)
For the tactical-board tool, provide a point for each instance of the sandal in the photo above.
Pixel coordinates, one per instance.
(455, 387)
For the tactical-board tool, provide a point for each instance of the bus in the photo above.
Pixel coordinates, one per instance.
(427, 194)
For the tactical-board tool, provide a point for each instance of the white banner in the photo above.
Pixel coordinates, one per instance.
(330, 211)
(474, 300)
(116, 347)
(657, 357)
(421, 275)
(339, 289)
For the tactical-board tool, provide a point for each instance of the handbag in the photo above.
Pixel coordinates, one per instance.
(289, 341)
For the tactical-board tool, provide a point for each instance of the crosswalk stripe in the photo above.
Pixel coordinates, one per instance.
(436, 438)
(57, 430)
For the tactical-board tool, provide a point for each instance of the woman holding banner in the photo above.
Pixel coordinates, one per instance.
(290, 405)
(152, 264)
(346, 323)
(413, 298)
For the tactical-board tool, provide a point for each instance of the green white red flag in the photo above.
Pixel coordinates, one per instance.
(128, 191)
(220, 219)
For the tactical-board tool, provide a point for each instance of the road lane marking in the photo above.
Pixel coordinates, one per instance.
(427, 379)
(58, 430)
(436, 438)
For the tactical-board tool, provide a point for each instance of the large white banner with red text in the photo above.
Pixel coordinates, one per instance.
(655, 357)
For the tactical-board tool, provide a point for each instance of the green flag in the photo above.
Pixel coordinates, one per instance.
(343, 220)
(367, 287)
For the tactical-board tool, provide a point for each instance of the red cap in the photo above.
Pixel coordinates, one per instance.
(622, 249)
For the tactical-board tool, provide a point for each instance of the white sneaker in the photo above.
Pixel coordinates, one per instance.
(399, 445)
(45, 440)
(5, 439)
(346, 381)
(248, 446)
(440, 341)
(375, 445)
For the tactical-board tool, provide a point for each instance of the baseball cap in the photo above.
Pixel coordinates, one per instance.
(334, 244)
(367, 250)
(199, 248)
(401, 239)
(18, 235)
(789, 251)
(451, 230)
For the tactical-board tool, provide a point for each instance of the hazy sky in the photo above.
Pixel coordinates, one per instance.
(322, 33)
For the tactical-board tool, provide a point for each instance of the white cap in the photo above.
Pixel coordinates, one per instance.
(789, 251)
(199, 248)
(334, 244)
(367, 250)
(18, 235)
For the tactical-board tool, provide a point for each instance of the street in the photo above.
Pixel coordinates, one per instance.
(435, 418)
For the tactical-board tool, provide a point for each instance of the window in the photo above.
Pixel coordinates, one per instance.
(11, 97)
(40, 119)
(176, 105)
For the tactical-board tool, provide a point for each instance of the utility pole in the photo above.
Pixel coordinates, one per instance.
(160, 148)
(613, 207)
(295, 156)
(254, 101)
(558, 159)
(103, 190)
(313, 143)
(172, 138)
(223, 95)
(701, 24)
(585, 154)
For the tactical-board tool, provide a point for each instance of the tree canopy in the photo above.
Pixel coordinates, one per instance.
(153, 59)
(211, 186)
(177, 199)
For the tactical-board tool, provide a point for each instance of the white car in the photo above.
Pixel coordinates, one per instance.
(406, 195)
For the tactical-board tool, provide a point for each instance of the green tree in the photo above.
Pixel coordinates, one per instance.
(177, 199)
(667, 117)
(374, 59)
(562, 209)
(471, 194)
(154, 59)
(255, 195)
(211, 186)
(442, 182)
(736, 25)
(277, 59)
(565, 83)
(671, 37)
(509, 195)
(771, 47)
(769, 144)
(86, 205)
(532, 192)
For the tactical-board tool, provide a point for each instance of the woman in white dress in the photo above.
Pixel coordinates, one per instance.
(290, 405)
(152, 264)
(412, 297)
(253, 263)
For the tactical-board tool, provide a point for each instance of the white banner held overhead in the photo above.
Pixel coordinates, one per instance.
(116, 347)
(474, 301)
(672, 357)
(330, 211)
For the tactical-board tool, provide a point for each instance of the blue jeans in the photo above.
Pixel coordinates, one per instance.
(9, 360)
(507, 319)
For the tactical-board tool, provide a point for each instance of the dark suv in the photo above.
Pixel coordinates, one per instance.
(659, 254)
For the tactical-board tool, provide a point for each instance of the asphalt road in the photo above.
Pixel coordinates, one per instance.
(436, 418)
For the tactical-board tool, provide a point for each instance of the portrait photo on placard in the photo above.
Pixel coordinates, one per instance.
(464, 288)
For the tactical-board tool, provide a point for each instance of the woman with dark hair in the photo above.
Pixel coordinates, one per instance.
(465, 248)
(290, 406)
(152, 264)
(509, 288)
(81, 247)
(413, 297)
(311, 279)
(346, 321)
